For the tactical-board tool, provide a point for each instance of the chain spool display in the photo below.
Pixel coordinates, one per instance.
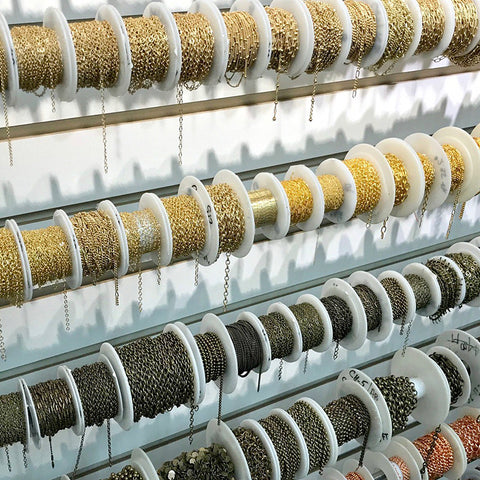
(467, 428)
(425, 287)
(11, 89)
(465, 35)
(264, 207)
(404, 460)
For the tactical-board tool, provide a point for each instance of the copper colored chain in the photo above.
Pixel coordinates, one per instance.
(468, 429)
(441, 458)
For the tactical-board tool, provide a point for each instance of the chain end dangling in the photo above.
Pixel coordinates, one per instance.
(104, 128)
(66, 307)
(275, 102)
(312, 100)
(220, 398)
(159, 271)
(140, 289)
(462, 211)
(109, 443)
(383, 230)
(226, 284)
(180, 122)
(280, 369)
(305, 364)
(196, 267)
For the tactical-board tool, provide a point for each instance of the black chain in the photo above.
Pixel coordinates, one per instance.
(341, 318)
(398, 300)
(371, 305)
(455, 380)
(247, 344)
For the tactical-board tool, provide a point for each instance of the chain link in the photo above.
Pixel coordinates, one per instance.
(79, 455)
(109, 443)
(280, 369)
(452, 216)
(66, 308)
(383, 230)
(159, 270)
(180, 122)
(104, 126)
(275, 101)
(3, 350)
(431, 449)
(3, 80)
(52, 98)
(24, 454)
(140, 288)
(193, 409)
(226, 284)
(9, 464)
(220, 398)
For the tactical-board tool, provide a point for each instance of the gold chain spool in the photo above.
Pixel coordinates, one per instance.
(466, 24)
(300, 199)
(332, 192)
(264, 207)
(400, 177)
(457, 166)
(433, 25)
(11, 276)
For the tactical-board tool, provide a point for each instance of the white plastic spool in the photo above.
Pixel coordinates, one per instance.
(220, 38)
(423, 143)
(467, 347)
(327, 425)
(387, 194)
(459, 454)
(459, 365)
(470, 152)
(407, 290)
(11, 60)
(381, 37)
(476, 131)
(466, 411)
(386, 323)
(219, 433)
(253, 320)
(302, 446)
(102, 358)
(396, 449)
(152, 202)
(377, 462)
(268, 181)
(64, 477)
(476, 37)
(55, 19)
(34, 426)
(381, 439)
(198, 386)
(432, 282)
(60, 218)
(358, 334)
(211, 323)
(25, 264)
(415, 174)
(414, 454)
(281, 308)
(458, 272)
(21, 391)
(228, 177)
(333, 166)
(256, 10)
(107, 207)
(475, 242)
(351, 465)
(330, 473)
(350, 387)
(469, 248)
(304, 173)
(65, 374)
(305, 34)
(142, 464)
(194, 187)
(433, 390)
(159, 9)
(110, 14)
(448, 30)
(125, 420)
(259, 431)
(325, 318)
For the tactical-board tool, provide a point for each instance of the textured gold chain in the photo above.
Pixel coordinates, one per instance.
(332, 192)
(400, 176)
(4, 86)
(11, 276)
(433, 25)
(429, 172)
(466, 24)
(300, 200)
(264, 207)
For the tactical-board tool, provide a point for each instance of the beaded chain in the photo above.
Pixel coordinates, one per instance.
(214, 358)
(202, 464)
(420, 289)
(455, 380)
(400, 176)
(300, 199)
(264, 207)
(468, 429)
(332, 192)
(247, 345)
(400, 33)
(127, 473)
(279, 334)
(471, 273)
(310, 323)
(436, 452)
(367, 182)
(341, 318)
(466, 24)
(11, 276)
(150, 51)
(371, 306)
(255, 453)
(433, 25)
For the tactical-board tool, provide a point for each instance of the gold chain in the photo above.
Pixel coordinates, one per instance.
(466, 24)
(4, 86)
(300, 199)
(332, 192)
(11, 276)
(264, 207)
(457, 166)
(433, 25)
(429, 172)
(400, 177)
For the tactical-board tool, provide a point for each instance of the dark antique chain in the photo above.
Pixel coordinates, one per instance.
(420, 290)
(471, 273)
(455, 380)
(279, 334)
(285, 444)
(12, 420)
(310, 324)
(159, 373)
(127, 473)
(371, 305)
(247, 344)
(341, 318)
(255, 453)
(213, 355)
(401, 398)
(398, 299)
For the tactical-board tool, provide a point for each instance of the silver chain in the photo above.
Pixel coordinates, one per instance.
(3, 350)
(226, 284)
(180, 122)
(140, 288)
(65, 308)
(305, 364)
(159, 271)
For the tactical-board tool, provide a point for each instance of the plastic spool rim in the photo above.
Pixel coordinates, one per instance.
(448, 30)
(330, 473)
(34, 426)
(110, 14)
(407, 289)
(211, 323)
(259, 431)
(327, 424)
(333, 166)
(387, 195)
(476, 131)
(102, 358)
(467, 347)
(354, 375)
(470, 152)
(25, 264)
(220, 52)
(253, 320)
(325, 318)
(455, 359)
(378, 462)
(423, 143)
(459, 455)
(126, 420)
(304, 456)
(140, 461)
(381, 38)
(220, 434)
(306, 35)
(158, 9)
(469, 248)
(266, 180)
(358, 334)
(386, 323)
(431, 279)
(60, 218)
(397, 449)
(304, 173)
(351, 465)
(152, 202)
(228, 177)
(433, 403)
(65, 374)
(281, 308)
(476, 37)
(475, 242)
(256, 10)
(350, 387)
(198, 388)
(414, 453)
(12, 65)
(194, 187)
(21, 391)
(459, 274)
(415, 174)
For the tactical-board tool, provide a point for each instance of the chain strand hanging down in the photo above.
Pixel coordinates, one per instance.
(4, 81)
